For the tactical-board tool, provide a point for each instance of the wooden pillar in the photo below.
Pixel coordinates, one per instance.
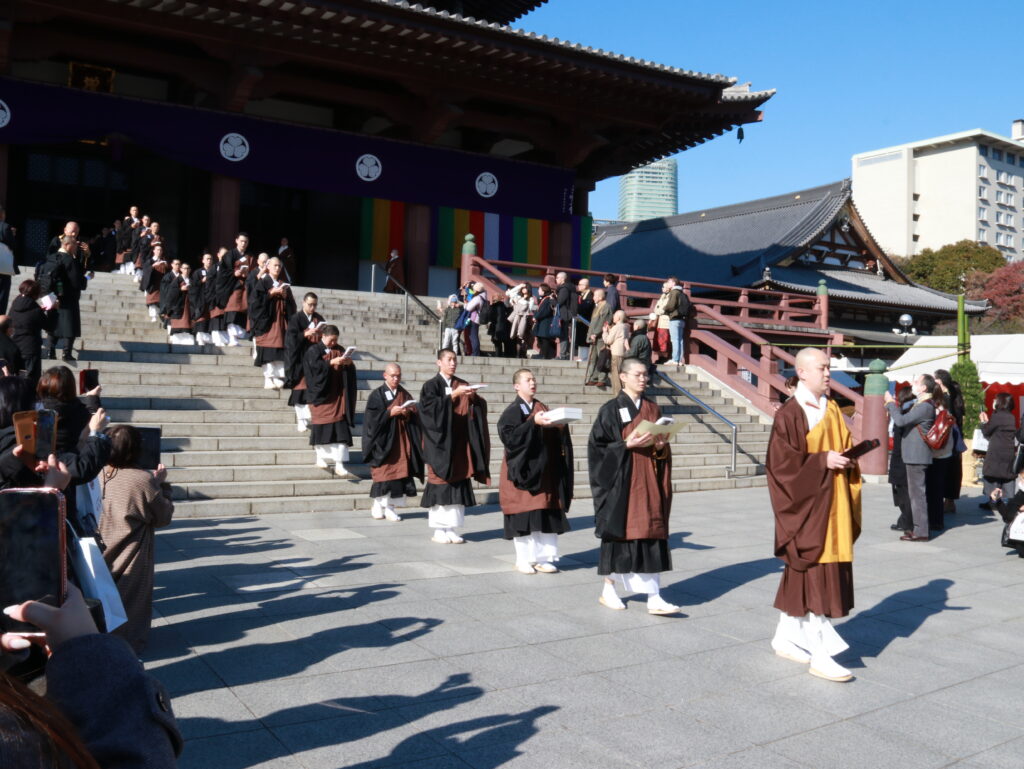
(225, 201)
(560, 244)
(417, 247)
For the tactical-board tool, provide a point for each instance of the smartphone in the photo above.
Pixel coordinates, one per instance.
(348, 352)
(33, 560)
(149, 459)
(46, 433)
(87, 380)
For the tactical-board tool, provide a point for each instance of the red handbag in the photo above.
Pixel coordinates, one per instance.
(938, 433)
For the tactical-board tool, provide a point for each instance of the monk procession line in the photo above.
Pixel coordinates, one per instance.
(442, 439)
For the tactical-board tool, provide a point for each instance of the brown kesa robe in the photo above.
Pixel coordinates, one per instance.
(395, 466)
(184, 321)
(462, 461)
(334, 406)
(818, 576)
(548, 495)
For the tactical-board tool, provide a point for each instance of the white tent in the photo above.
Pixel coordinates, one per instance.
(999, 358)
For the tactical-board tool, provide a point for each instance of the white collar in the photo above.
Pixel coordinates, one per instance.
(806, 397)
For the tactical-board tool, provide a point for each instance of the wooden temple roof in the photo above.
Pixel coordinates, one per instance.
(407, 71)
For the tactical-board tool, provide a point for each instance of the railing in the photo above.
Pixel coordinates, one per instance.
(714, 310)
(728, 422)
(408, 294)
(751, 306)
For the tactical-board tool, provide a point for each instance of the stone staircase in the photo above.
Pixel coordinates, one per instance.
(232, 447)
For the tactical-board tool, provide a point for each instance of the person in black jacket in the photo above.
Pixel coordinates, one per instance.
(64, 276)
(9, 351)
(565, 298)
(543, 319)
(898, 470)
(29, 321)
(1000, 429)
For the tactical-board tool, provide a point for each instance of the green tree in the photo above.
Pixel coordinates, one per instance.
(943, 269)
(966, 374)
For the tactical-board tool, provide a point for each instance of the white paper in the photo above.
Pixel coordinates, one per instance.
(624, 415)
(564, 415)
(389, 395)
(477, 386)
(348, 352)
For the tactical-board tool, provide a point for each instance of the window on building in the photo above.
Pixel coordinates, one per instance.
(1011, 158)
(999, 196)
(997, 154)
(983, 150)
(999, 238)
(982, 236)
(1003, 177)
(982, 213)
(916, 238)
(982, 192)
(999, 217)
(1008, 240)
(917, 196)
(982, 171)
(1009, 198)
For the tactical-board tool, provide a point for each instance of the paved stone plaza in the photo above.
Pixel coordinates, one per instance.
(333, 640)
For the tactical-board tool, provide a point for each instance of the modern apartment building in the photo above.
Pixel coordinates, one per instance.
(649, 192)
(926, 194)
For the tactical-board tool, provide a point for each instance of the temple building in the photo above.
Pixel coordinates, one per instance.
(351, 128)
(802, 242)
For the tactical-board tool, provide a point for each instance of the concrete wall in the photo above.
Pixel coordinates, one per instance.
(946, 181)
(883, 192)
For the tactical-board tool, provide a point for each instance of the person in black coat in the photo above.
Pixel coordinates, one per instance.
(500, 329)
(29, 321)
(543, 319)
(565, 298)
(302, 333)
(63, 275)
(1000, 429)
(9, 351)
(898, 470)
(1008, 509)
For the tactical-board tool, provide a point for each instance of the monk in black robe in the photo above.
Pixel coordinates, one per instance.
(153, 273)
(331, 390)
(456, 448)
(303, 331)
(392, 444)
(536, 483)
(631, 480)
(176, 307)
(199, 295)
(272, 306)
(815, 493)
(231, 275)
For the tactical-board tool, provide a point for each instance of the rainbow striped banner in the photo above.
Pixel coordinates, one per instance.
(498, 237)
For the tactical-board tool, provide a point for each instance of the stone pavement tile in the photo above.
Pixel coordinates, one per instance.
(1000, 757)
(757, 716)
(241, 652)
(670, 681)
(321, 535)
(948, 730)
(179, 675)
(266, 581)
(549, 749)
(491, 607)
(749, 663)
(212, 712)
(301, 700)
(508, 668)
(500, 716)
(842, 700)
(585, 698)
(556, 595)
(986, 695)
(254, 750)
(744, 625)
(676, 638)
(542, 626)
(185, 608)
(751, 758)
(457, 586)
(374, 739)
(951, 652)
(600, 652)
(664, 739)
(390, 572)
(847, 745)
(451, 638)
(371, 645)
(483, 564)
(1004, 636)
(335, 601)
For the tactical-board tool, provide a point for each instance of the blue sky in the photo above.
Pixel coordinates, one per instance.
(850, 78)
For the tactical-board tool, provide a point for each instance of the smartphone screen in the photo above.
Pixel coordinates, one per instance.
(32, 555)
(46, 433)
(88, 379)
(150, 456)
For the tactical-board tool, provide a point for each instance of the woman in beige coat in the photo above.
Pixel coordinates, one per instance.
(616, 337)
(135, 504)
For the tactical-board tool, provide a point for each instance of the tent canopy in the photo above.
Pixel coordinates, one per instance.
(999, 358)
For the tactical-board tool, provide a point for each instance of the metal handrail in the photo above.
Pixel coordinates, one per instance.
(732, 425)
(405, 315)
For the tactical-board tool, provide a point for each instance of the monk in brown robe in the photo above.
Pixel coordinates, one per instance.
(535, 489)
(152, 276)
(331, 392)
(178, 306)
(815, 493)
(272, 306)
(391, 444)
(631, 480)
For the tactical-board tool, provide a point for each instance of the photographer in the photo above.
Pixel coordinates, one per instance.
(101, 710)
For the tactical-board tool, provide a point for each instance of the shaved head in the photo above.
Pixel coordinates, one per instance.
(812, 368)
(392, 368)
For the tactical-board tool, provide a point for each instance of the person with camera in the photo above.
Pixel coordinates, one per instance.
(917, 454)
(101, 708)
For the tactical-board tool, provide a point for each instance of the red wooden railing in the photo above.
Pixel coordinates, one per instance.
(740, 310)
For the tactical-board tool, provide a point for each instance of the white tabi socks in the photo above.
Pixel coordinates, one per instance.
(811, 639)
(638, 583)
(203, 337)
(302, 417)
(536, 552)
(382, 508)
(220, 338)
(273, 375)
(181, 337)
(235, 333)
(444, 519)
(154, 315)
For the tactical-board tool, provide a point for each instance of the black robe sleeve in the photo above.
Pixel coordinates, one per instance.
(261, 306)
(436, 409)
(611, 467)
(196, 297)
(226, 280)
(526, 454)
(318, 374)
